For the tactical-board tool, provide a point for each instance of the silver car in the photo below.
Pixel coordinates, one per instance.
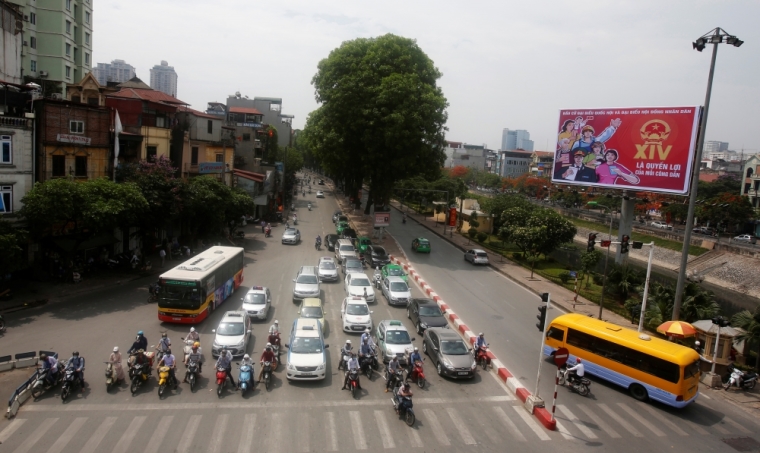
(232, 333)
(396, 291)
(327, 270)
(291, 236)
(476, 256)
(257, 302)
(306, 284)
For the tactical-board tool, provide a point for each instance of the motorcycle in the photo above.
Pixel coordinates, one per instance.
(240, 234)
(164, 379)
(378, 276)
(268, 233)
(295, 221)
(407, 413)
(745, 381)
(578, 384)
(403, 220)
(221, 377)
(353, 382)
(153, 290)
(267, 374)
(192, 374)
(309, 203)
(139, 373)
(244, 379)
(317, 244)
(41, 384)
(274, 339)
(70, 383)
(481, 358)
(397, 378)
(365, 364)
(110, 376)
(417, 375)
(343, 364)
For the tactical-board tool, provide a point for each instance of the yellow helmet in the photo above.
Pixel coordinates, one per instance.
(197, 344)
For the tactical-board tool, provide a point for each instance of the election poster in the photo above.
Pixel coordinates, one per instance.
(642, 148)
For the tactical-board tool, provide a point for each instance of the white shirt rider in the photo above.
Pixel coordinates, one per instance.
(353, 363)
(577, 368)
(274, 329)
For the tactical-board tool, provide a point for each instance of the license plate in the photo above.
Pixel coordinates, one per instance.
(307, 374)
(176, 319)
(463, 373)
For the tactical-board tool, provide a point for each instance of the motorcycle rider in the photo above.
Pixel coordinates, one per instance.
(344, 351)
(367, 335)
(393, 367)
(403, 217)
(170, 361)
(404, 391)
(115, 361)
(366, 351)
(413, 357)
(193, 335)
(140, 343)
(576, 370)
(196, 356)
(164, 344)
(225, 361)
(353, 364)
(319, 241)
(77, 363)
(274, 329)
(49, 363)
(480, 346)
(266, 356)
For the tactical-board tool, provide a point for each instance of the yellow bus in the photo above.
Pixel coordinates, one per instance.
(192, 290)
(650, 368)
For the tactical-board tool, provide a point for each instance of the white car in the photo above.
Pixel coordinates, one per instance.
(306, 351)
(327, 270)
(661, 224)
(743, 238)
(392, 339)
(233, 333)
(355, 314)
(396, 291)
(358, 284)
(257, 302)
(476, 256)
(320, 194)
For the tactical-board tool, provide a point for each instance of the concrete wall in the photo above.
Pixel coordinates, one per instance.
(11, 41)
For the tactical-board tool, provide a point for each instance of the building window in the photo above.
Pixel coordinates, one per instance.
(93, 101)
(76, 99)
(80, 166)
(6, 199)
(33, 42)
(75, 11)
(76, 127)
(33, 65)
(219, 157)
(194, 155)
(87, 17)
(6, 149)
(75, 54)
(33, 18)
(87, 38)
(68, 5)
(152, 151)
(68, 72)
(161, 121)
(210, 127)
(59, 166)
(246, 137)
(87, 58)
(68, 27)
(68, 49)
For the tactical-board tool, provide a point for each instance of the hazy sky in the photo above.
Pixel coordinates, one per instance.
(510, 64)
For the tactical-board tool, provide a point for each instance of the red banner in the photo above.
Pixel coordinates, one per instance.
(645, 148)
(452, 217)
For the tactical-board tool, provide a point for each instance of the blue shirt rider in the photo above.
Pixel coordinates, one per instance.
(77, 364)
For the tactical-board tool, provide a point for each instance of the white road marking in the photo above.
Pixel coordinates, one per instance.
(575, 421)
(275, 431)
(158, 434)
(656, 414)
(564, 431)
(97, 437)
(704, 395)
(332, 435)
(737, 425)
(435, 425)
(356, 426)
(186, 441)
(246, 437)
(303, 428)
(414, 438)
(385, 432)
(10, 429)
(697, 428)
(217, 436)
(531, 424)
(122, 446)
(614, 415)
(599, 422)
(35, 436)
(463, 431)
(657, 432)
(720, 429)
(501, 415)
(67, 435)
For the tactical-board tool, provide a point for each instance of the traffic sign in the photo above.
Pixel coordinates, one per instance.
(560, 357)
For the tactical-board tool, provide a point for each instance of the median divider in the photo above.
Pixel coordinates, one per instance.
(512, 383)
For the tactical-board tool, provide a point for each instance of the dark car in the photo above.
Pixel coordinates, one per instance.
(348, 233)
(352, 265)
(321, 182)
(336, 214)
(425, 313)
(449, 353)
(330, 241)
(376, 256)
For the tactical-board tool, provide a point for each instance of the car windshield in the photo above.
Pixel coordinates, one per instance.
(378, 251)
(307, 279)
(290, 231)
(311, 312)
(453, 347)
(354, 265)
(255, 298)
(399, 287)
(430, 311)
(359, 282)
(424, 242)
(481, 254)
(327, 265)
(175, 296)
(397, 337)
(346, 248)
(357, 309)
(395, 271)
(230, 328)
(301, 345)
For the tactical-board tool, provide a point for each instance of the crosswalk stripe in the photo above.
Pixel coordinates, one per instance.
(564, 431)
(356, 426)
(720, 429)
(599, 422)
(737, 425)
(275, 431)
(663, 420)
(97, 437)
(303, 438)
(158, 434)
(385, 431)
(414, 438)
(122, 446)
(217, 436)
(614, 415)
(438, 431)
(67, 435)
(459, 424)
(186, 441)
(531, 424)
(501, 415)
(480, 419)
(696, 427)
(35, 436)
(575, 421)
(332, 434)
(642, 420)
(246, 437)
(10, 429)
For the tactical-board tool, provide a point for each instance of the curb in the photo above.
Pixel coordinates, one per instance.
(512, 383)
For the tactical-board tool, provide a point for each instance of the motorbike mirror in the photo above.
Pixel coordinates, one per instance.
(213, 330)
(413, 338)
(370, 312)
(248, 332)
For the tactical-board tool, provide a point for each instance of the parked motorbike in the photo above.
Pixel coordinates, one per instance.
(71, 383)
(244, 379)
(407, 413)
(192, 374)
(745, 381)
(417, 375)
(353, 382)
(221, 377)
(579, 384)
(41, 385)
(267, 374)
(164, 380)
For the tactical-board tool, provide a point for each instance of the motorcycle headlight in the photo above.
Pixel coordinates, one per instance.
(423, 325)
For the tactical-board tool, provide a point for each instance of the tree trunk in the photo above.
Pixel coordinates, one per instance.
(757, 359)
(532, 265)
(370, 197)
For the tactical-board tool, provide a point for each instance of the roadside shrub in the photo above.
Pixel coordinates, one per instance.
(517, 256)
(564, 276)
(482, 237)
(472, 232)
(597, 279)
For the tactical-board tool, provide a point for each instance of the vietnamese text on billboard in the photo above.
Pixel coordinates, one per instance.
(645, 148)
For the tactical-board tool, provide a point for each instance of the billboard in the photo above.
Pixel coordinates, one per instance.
(205, 168)
(642, 148)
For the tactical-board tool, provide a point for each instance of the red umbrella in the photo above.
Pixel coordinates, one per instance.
(678, 329)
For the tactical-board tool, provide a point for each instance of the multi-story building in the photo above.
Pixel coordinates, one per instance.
(116, 71)
(513, 164)
(11, 42)
(516, 139)
(88, 91)
(271, 109)
(470, 156)
(713, 146)
(248, 122)
(16, 140)
(207, 141)
(163, 78)
(58, 37)
(541, 163)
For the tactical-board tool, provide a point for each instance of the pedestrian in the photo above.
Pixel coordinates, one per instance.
(162, 254)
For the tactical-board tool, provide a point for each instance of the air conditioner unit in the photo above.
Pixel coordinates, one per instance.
(26, 18)
(43, 73)
(26, 43)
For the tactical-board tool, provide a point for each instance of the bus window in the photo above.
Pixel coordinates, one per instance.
(556, 333)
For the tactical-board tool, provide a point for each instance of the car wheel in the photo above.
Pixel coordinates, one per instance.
(424, 347)
(408, 314)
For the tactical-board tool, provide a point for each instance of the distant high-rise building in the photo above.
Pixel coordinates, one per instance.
(163, 78)
(116, 71)
(516, 139)
(714, 147)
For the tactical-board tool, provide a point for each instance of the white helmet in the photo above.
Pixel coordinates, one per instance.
(115, 349)
(276, 321)
(192, 329)
(416, 349)
(246, 357)
(697, 343)
(348, 341)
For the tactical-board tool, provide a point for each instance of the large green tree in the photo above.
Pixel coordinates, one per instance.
(750, 323)
(382, 115)
(212, 206)
(726, 210)
(11, 240)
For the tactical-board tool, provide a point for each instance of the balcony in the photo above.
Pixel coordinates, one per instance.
(15, 122)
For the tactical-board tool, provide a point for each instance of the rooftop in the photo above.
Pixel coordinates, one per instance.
(248, 110)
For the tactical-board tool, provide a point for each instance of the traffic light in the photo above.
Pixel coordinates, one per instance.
(720, 321)
(541, 317)
(624, 244)
(591, 242)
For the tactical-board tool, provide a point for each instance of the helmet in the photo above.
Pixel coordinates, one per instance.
(163, 335)
(269, 345)
(115, 349)
(353, 354)
(269, 348)
(196, 345)
(75, 353)
(140, 333)
(480, 334)
(246, 357)
(365, 339)
(43, 357)
(348, 341)
(276, 322)
(224, 349)
(369, 329)
(168, 351)
(416, 349)
(192, 329)
(578, 360)
(697, 343)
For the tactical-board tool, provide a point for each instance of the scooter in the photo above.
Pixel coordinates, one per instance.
(481, 358)
(353, 382)
(365, 364)
(745, 381)
(70, 383)
(164, 380)
(407, 413)
(240, 234)
(140, 373)
(417, 375)
(41, 385)
(274, 339)
(397, 378)
(343, 364)
(244, 379)
(110, 376)
(309, 203)
(268, 233)
(221, 377)
(578, 384)
(267, 374)
(192, 374)
(318, 245)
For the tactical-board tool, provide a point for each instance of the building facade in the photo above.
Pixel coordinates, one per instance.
(516, 139)
(248, 123)
(206, 141)
(271, 109)
(513, 164)
(116, 71)
(163, 78)
(11, 42)
(470, 156)
(541, 163)
(16, 166)
(713, 146)
(58, 37)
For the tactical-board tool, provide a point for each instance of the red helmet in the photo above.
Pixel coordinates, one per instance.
(578, 360)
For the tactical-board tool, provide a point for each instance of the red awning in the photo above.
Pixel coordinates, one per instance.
(258, 177)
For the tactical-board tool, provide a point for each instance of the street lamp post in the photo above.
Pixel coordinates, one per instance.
(607, 258)
(713, 37)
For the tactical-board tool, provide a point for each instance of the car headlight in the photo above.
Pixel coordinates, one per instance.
(217, 345)
(423, 325)
(291, 367)
(473, 366)
(388, 352)
(240, 343)
(447, 363)
(321, 367)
